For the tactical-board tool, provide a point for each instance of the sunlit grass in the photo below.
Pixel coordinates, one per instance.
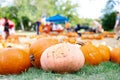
(103, 71)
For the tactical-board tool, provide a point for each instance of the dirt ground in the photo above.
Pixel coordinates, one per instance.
(111, 42)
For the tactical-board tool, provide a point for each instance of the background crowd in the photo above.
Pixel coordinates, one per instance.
(6, 28)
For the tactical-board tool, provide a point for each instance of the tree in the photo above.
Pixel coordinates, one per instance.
(108, 21)
(0, 12)
(108, 18)
(110, 6)
(10, 13)
(45, 7)
(24, 9)
(33, 9)
(69, 9)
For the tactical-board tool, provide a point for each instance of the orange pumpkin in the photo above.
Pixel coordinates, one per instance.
(58, 31)
(72, 34)
(13, 39)
(105, 52)
(13, 61)
(92, 54)
(42, 35)
(47, 28)
(98, 37)
(115, 55)
(70, 40)
(1, 37)
(21, 35)
(23, 46)
(63, 57)
(37, 48)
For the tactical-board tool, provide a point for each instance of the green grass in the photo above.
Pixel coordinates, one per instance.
(103, 71)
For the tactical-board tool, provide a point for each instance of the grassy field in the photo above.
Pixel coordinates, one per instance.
(103, 71)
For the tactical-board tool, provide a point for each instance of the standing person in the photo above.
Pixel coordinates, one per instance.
(67, 26)
(97, 27)
(77, 28)
(38, 23)
(6, 28)
(57, 28)
(1, 29)
(117, 25)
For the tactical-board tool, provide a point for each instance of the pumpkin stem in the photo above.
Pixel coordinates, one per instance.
(32, 58)
(80, 43)
(9, 46)
(118, 38)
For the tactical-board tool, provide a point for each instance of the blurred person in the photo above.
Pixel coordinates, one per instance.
(38, 23)
(77, 28)
(2, 31)
(117, 25)
(67, 26)
(6, 28)
(51, 25)
(12, 29)
(97, 27)
(60, 27)
(57, 27)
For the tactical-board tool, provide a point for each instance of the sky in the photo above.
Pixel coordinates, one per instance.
(91, 8)
(88, 8)
(6, 2)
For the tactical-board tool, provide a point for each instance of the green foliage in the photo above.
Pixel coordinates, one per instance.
(26, 21)
(10, 13)
(108, 21)
(68, 9)
(0, 13)
(33, 10)
(45, 7)
(25, 11)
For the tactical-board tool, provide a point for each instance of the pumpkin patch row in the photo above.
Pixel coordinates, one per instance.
(52, 53)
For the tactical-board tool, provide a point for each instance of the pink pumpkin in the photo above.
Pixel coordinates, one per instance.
(62, 57)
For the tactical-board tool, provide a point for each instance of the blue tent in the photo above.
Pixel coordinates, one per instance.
(57, 18)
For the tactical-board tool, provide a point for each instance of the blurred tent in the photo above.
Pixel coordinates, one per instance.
(57, 19)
